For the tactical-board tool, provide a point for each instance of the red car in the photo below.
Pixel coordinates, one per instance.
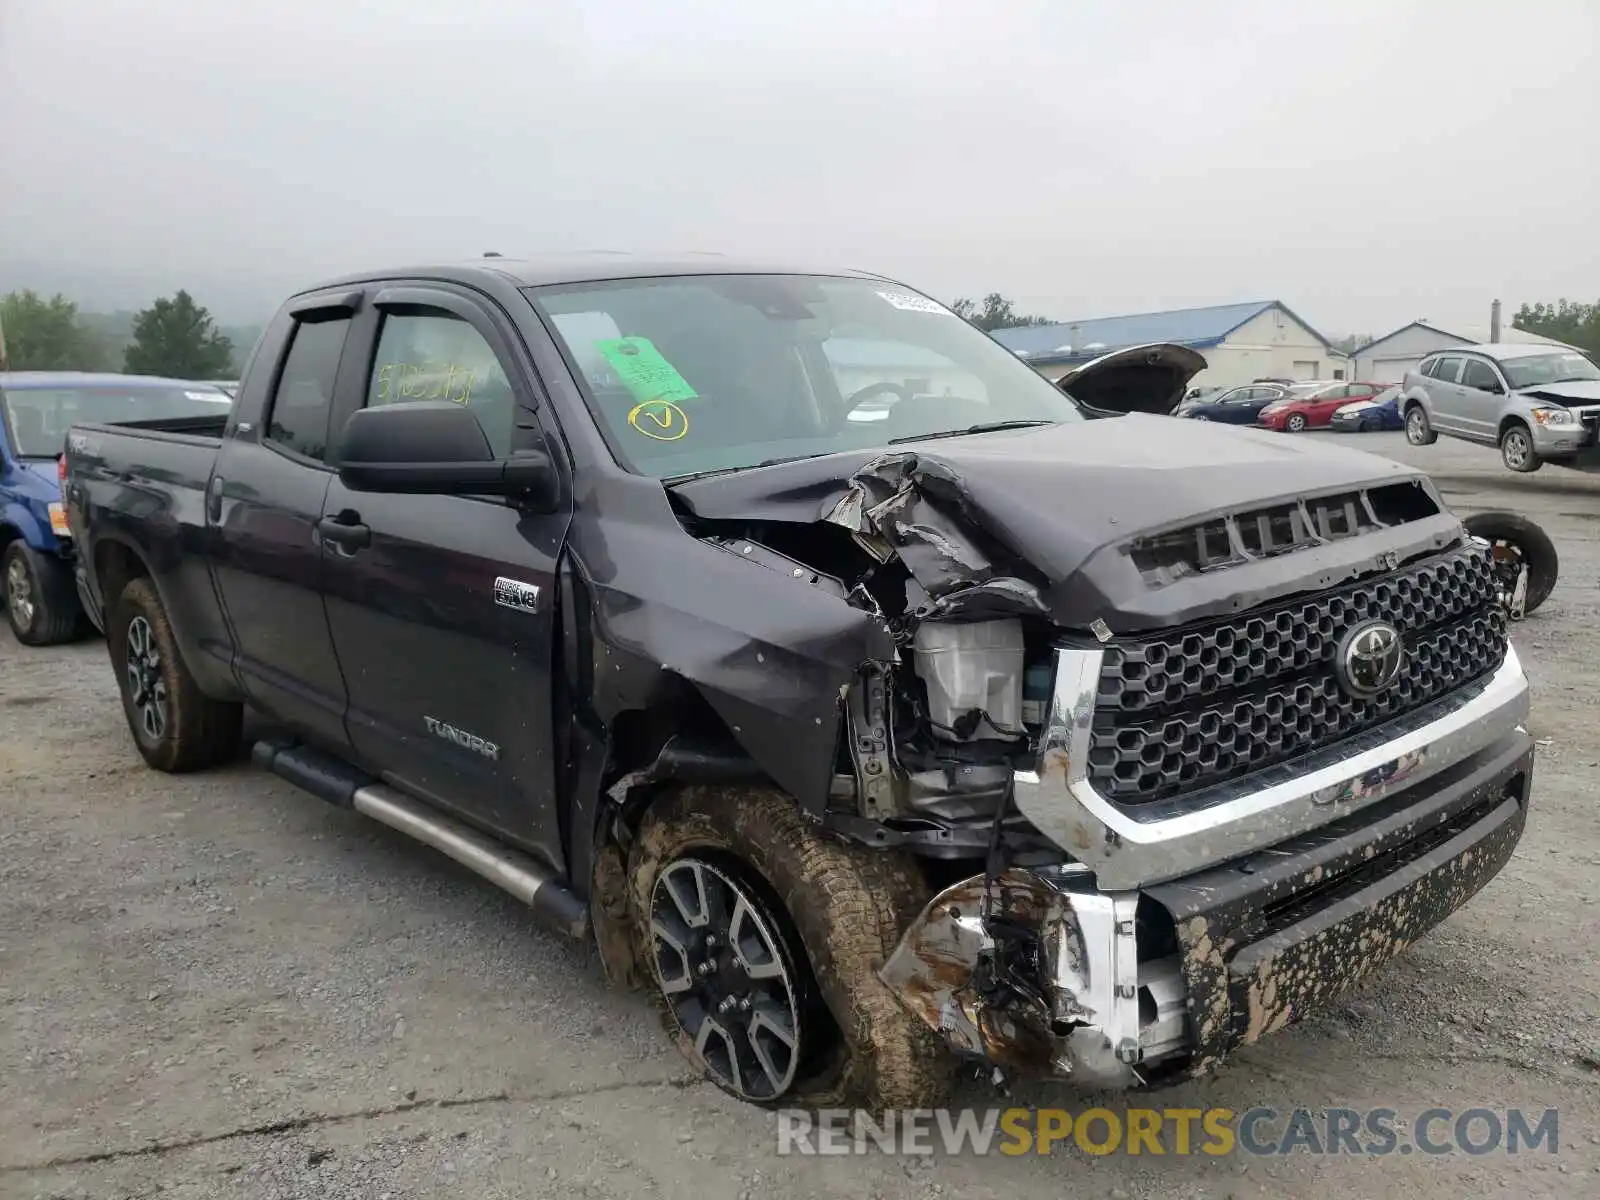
(1312, 405)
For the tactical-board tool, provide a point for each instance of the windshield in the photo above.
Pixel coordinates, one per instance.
(1538, 369)
(716, 372)
(37, 419)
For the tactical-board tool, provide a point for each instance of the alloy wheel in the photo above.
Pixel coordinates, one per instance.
(147, 687)
(1517, 449)
(19, 593)
(727, 977)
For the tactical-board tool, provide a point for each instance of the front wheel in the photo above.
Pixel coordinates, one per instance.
(40, 603)
(764, 938)
(1419, 430)
(1516, 450)
(1295, 424)
(1520, 548)
(175, 725)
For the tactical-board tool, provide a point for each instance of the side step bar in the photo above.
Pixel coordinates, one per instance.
(340, 784)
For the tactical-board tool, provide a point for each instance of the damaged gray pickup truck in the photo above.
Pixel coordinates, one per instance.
(875, 703)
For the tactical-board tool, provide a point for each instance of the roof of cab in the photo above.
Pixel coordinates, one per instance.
(21, 380)
(586, 267)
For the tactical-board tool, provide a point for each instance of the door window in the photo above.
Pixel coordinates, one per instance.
(1447, 369)
(438, 356)
(1479, 375)
(298, 418)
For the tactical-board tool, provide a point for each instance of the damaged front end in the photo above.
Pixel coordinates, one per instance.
(1102, 704)
(1038, 974)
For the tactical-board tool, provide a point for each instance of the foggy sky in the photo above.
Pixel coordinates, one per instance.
(1366, 161)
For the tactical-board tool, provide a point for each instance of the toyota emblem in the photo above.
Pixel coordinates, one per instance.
(1369, 659)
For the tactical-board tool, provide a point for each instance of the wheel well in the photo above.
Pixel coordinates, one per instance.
(642, 738)
(8, 534)
(116, 566)
(1506, 423)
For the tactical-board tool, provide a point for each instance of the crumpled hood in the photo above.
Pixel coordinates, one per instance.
(1579, 391)
(1040, 519)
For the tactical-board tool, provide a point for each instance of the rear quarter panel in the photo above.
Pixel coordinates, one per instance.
(144, 493)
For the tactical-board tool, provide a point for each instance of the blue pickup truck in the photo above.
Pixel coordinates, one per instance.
(36, 410)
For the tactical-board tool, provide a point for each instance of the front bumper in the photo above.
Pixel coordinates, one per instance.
(1043, 973)
(1555, 441)
(1131, 848)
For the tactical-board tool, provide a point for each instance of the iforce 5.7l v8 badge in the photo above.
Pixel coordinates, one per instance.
(513, 593)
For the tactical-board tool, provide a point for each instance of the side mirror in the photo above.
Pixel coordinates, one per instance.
(437, 447)
(1494, 388)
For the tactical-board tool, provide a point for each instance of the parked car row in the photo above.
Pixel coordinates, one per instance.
(1293, 407)
(36, 410)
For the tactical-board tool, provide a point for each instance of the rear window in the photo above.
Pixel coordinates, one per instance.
(37, 419)
(1447, 370)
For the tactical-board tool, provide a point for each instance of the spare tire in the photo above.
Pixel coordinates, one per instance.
(1518, 542)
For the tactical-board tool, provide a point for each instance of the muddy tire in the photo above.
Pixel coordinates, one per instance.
(41, 603)
(1419, 430)
(831, 913)
(1518, 541)
(1516, 449)
(176, 727)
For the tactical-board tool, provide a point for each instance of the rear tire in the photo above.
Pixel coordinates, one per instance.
(1516, 450)
(41, 605)
(832, 912)
(1419, 430)
(1518, 541)
(175, 726)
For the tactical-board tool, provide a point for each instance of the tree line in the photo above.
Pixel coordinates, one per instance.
(1576, 324)
(174, 337)
(177, 337)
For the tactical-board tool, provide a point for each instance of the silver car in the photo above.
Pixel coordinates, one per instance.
(1537, 402)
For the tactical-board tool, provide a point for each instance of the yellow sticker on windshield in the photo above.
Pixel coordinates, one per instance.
(659, 420)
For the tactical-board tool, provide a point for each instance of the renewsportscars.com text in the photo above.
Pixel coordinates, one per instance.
(1170, 1131)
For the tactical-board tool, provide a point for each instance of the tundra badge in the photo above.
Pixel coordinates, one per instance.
(513, 593)
(461, 737)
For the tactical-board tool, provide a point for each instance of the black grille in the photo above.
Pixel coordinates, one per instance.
(1191, 709)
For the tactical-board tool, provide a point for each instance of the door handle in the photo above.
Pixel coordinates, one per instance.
(345, 530)
(214, 500)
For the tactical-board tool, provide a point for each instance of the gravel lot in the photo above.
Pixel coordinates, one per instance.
(217, 986)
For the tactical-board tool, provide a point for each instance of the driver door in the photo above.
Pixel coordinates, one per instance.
(442, 607)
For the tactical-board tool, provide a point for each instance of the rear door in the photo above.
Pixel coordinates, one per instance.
(264, 501)
(443, 609)
(1242, 405)
(1446, 397)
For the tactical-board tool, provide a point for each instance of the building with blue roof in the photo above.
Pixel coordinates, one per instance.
(1261, 339)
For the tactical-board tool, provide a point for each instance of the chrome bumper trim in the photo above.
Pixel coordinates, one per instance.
(1127, 849)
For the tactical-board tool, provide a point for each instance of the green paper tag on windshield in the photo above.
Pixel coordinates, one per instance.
(644, 371)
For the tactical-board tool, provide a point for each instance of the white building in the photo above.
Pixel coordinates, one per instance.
(1387, 359)
(1263, 339)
